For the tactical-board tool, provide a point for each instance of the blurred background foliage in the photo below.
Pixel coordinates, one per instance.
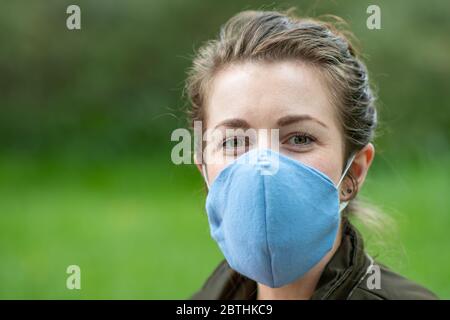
(85, 124)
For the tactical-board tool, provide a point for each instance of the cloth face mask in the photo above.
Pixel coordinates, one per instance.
(273, 217)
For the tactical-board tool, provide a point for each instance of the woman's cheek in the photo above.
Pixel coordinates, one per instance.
(214, 170)
(328, 165)
(331, 169)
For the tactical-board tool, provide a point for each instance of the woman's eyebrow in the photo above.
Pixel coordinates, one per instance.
(233, 123)
(290, 119)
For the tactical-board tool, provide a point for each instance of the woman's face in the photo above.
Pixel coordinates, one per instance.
(289, 96)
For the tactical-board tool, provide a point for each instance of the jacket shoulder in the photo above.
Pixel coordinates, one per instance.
(389, 286)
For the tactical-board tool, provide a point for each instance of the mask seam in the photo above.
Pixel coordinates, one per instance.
(265, 225)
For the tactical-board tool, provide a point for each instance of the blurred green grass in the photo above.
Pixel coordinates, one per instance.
(137, 227)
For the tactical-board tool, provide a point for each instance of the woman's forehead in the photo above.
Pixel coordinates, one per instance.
(261, 93)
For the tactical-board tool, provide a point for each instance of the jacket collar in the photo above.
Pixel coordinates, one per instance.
(346, 268)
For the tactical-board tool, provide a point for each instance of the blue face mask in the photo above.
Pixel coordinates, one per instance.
(274, 218)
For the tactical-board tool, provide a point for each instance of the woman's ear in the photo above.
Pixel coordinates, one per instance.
(361, 163)
(358, 172)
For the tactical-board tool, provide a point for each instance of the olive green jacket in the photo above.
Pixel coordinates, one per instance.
(348, 275)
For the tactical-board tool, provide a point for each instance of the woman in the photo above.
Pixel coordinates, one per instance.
(281, 219)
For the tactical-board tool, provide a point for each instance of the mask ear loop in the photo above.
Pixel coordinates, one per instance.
(205, 175)
(343, 204)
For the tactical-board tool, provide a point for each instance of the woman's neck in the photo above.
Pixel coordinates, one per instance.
(304, 287)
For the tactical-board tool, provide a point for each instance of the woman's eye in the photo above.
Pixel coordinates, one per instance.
(300, 140)
(234, 143)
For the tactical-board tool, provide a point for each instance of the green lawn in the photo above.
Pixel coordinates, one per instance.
(137, 228)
